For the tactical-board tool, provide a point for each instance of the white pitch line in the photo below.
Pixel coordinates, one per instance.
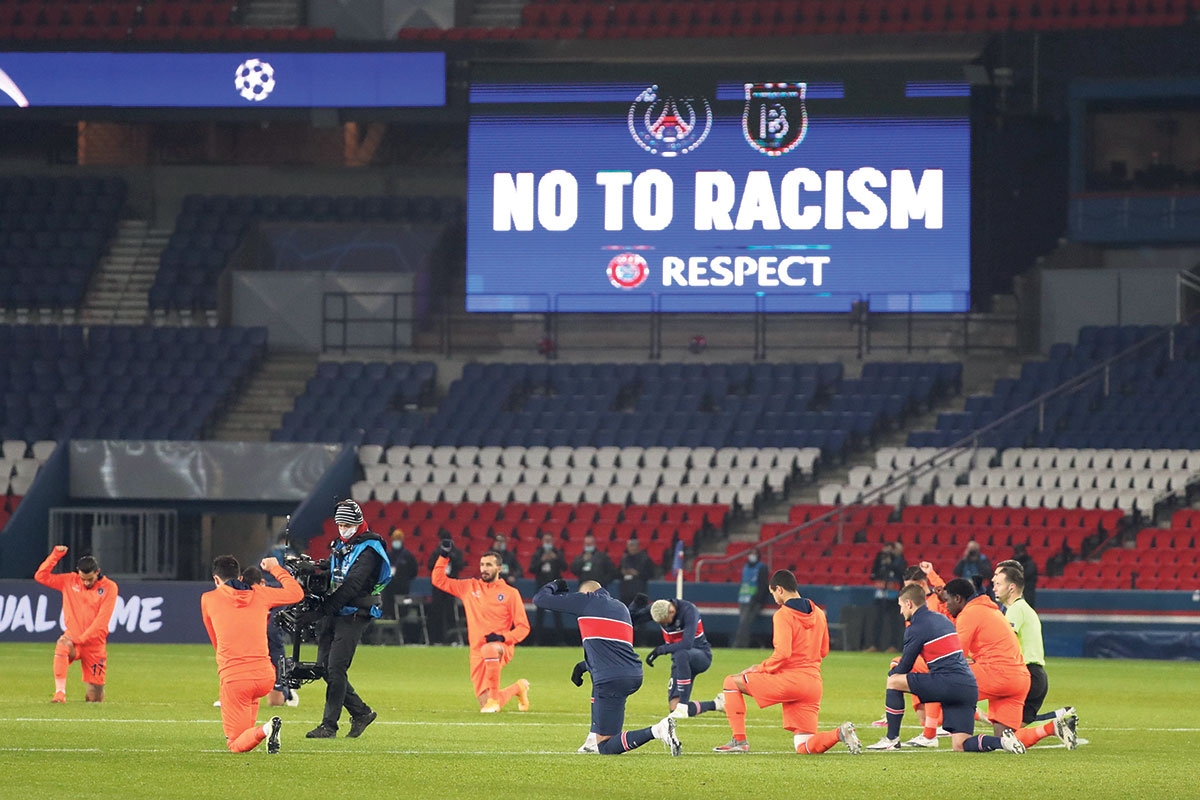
(524, 721)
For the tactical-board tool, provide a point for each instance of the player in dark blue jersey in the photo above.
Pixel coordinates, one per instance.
(949, 681)
(607, 633)
(685, 642)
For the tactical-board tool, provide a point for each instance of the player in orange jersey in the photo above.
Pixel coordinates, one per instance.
(999, 663)
(235, 615)
(994, 651)
(496, 621)
(791, 676)
(88, 600)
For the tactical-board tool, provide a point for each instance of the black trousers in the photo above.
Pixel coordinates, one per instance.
(1039, 685)
(336, 643)
(541, 630)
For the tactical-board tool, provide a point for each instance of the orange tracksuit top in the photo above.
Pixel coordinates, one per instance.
(988, 639)
(87, 611)
(932, 601)
(494, 607)
(801, 639)
(236, 620)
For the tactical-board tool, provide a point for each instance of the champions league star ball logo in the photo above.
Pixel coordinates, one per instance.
(775, 119)
(254, 79)
(669, 126)
(628, 271)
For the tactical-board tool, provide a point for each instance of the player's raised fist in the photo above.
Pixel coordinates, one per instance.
(269, 563)
(60, 548)
(926, 567)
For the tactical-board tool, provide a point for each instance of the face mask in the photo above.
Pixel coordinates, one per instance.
(547, 547)
(589, 549)
(752, 559)
(397, 545)
(348, 534)
(500, 548)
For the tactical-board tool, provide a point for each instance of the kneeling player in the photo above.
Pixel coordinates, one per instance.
(791, 676)
(949, 681)
(607, 633)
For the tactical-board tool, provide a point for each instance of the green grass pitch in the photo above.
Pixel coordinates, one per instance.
(158, 736)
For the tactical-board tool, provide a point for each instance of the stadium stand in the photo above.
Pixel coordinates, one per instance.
(53, 232)
(120, 382)
(141, 20)
(658, 19)
(209, 228)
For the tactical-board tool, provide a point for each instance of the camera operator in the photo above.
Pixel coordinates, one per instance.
(358, 571)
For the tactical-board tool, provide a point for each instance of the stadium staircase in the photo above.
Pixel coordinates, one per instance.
(117, 294)
(267, 397)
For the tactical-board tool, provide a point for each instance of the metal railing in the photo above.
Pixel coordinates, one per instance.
(1100, 373)
(400, 321)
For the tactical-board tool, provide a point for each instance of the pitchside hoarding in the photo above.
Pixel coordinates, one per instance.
(785, 195)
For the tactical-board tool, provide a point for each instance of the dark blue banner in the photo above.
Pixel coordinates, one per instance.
(146, 612)
(681, 201)
(223, 80)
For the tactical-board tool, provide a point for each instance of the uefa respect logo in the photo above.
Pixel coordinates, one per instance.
(628, 271)
(254, 80)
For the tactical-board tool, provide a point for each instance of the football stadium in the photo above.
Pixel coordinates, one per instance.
(363, 359)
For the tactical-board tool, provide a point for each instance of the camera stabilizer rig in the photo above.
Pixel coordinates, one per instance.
(313, 576)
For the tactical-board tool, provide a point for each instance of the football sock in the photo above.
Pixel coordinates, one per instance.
(814, 744)
(62, 659)
(502, 696)
(735, 709)
(628, 740)
(982, 744)
(683, 690)
(933, 719)
(1044, 716)
(695, 708)
(491, 677)
(893, 706)
(249, 739)
(1031, 736)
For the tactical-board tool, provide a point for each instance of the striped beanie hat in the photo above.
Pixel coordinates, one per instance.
(348, 513)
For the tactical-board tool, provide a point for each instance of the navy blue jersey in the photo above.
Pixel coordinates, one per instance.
(934, 638)
(604, 626)
(686, 631)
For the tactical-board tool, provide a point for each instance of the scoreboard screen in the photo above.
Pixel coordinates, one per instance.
(783, 195)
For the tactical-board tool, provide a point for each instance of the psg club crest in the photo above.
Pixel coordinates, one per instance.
(628, 271)
(775, 119)
(669, 126)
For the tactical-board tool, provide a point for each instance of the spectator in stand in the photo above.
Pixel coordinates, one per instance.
(547, 566)
(1029, 570)
(404, 569)
(637, 568)
(510, 568)
(887, 575)
(752, 594)
(974, 564)
(441, 606)
(593, 564)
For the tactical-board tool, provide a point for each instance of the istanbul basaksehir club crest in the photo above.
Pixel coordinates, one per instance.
(628, 271)
(775, 119)
(669, 126)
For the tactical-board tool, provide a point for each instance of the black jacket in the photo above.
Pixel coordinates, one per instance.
(404, 569)
(361, 577)
(547, 567)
